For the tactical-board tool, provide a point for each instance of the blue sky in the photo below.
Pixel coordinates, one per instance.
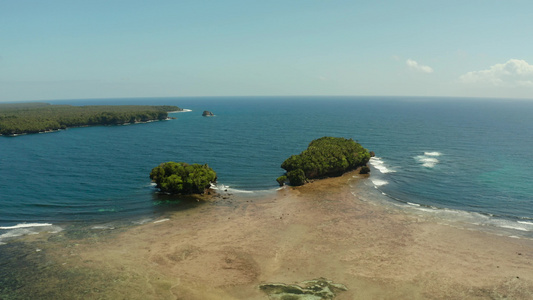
(102, 49)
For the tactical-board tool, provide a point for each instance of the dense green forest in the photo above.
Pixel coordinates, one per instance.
(20, 118)
(326, 156)
(182, 178)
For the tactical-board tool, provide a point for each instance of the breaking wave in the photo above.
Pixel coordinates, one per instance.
(429, 159)
(379, 182)
(379, 164)
(10, 232)
(432, 153)
(180, 111)
(226, 188)
(25, 225)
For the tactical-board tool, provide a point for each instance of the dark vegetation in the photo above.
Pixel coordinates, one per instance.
(182, 178)
(324, 157)
(364, 170)
(21, 118)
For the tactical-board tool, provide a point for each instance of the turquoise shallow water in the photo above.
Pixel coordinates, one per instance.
(461, 156)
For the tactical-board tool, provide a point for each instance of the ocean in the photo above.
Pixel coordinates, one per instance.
(460, 159)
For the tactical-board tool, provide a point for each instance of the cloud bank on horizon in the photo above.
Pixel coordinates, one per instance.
(513, 73)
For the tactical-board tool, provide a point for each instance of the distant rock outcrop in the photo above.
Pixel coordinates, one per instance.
(207, 113)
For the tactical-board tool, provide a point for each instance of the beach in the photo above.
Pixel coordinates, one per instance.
(225, 249)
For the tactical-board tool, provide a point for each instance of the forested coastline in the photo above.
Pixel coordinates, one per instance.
(23, 118)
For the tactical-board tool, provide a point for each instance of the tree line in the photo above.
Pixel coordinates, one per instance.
(21, 118)
(183, 178)
(324, 157)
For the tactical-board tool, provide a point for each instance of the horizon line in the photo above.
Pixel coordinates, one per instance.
(267, 96)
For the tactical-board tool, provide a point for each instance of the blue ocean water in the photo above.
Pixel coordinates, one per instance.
(465, 156)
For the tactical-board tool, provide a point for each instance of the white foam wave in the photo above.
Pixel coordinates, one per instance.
(429, 159)
(103, 227)
(379, 182)
(428, 162)
(474, 218)
(432, 153)
(455, 217)
(524, 222)
(218, 186)
(240, 191)
(379, 164)
(180, 111)
(228, 189)
(27, 229)
(142, 221)
(162, 220)
(25, 225)
(514, 227)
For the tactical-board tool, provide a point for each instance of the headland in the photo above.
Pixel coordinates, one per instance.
(34, 117)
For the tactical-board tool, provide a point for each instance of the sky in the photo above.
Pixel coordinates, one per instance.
(70, 49)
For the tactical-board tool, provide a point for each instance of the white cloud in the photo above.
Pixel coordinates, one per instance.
(413, 65)
(513, 73)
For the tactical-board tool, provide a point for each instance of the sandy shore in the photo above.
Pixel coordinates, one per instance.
(226, 250)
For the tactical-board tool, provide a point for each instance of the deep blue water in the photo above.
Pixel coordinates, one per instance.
(462, 155)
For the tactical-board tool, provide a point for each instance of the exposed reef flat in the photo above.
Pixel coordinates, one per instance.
(229, 248)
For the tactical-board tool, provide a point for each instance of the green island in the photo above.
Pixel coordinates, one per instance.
(183, 178)
(325, 157)
(24, 118)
